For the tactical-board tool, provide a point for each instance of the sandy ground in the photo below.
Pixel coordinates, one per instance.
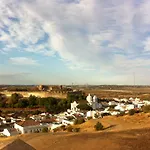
(121, 133)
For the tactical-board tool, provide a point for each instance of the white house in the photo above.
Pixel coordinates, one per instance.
(55, 125)
(129, 107)
(120, 107)
(74, 106)
(112, 103)
(28, 126)
(67, 122)
(10, 132)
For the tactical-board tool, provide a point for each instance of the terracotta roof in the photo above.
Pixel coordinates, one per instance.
(48, 120)
(28, 123)
(18, 145)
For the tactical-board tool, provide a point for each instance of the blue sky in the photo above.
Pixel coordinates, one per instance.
(74, 41)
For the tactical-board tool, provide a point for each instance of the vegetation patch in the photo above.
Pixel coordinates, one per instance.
(98, 126)
(146, 109)
(79, 121)
(131, 112)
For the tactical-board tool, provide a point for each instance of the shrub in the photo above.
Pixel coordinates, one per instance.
(98, 126)
(146, 108)
(76, 130)
(96, 115)
(76, 121)
(131, 112)
(89, 118)
(45, 129)
(69, 129)
(122, 113)
(79, 121)
(56, 129)
(63, 127)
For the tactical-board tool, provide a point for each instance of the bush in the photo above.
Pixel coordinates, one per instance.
(98, 126)
(146, 109)
(122, 113)
(79, 121)
(76, 130)
(45, 129)
(63, 127)
(69, 129)
(131, 112)
(96, 115)
(89, 118)
(56, 129)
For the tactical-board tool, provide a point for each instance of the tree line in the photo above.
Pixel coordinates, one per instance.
(52, 105)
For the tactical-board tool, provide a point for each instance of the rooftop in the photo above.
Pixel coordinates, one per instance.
(28, 123)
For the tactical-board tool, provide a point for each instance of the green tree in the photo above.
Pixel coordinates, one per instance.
(84, 107)
(14, 99)
(32, 101)
(23, 103)
(2, 101)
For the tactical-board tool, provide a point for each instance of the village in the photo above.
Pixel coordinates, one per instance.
(12, 124)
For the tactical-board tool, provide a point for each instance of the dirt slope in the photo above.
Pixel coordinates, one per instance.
(117, 135)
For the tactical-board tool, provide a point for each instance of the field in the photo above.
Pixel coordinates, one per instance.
(125, 133)
(142, 92)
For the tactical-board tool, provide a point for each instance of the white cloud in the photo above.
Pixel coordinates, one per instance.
(22, 61)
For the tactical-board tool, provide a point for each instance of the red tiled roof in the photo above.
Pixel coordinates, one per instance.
(28, 123)
(48, 120)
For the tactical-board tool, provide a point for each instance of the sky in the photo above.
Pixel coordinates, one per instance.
(75, 41)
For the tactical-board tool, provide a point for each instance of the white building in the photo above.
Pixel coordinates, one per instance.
(129, 107)
(95, 104)
(55, 125)
(112, 103)
(120, 107)
(74, 106)
(10, 132)
(28, 126)
(92, 114)
(67, 122)
(89, 99)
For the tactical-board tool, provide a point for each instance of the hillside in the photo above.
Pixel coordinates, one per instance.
(125, 133)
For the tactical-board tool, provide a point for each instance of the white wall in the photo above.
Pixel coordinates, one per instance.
(6, 132)
(29, 129)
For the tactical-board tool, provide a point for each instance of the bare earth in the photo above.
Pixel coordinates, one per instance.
(121, 133)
